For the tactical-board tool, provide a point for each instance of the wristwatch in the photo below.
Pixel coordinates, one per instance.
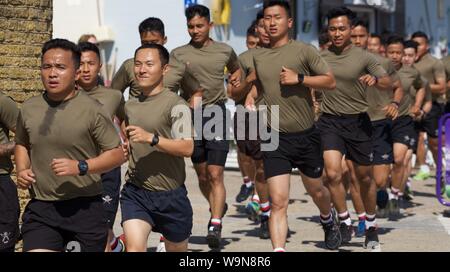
(83, 168)
(301, 78)
(155, 140)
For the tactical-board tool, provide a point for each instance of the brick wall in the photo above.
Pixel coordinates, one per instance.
(24, 26)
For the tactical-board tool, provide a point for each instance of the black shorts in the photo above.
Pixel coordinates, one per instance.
(296, 150)
(111, 191)
(9, 214)
(430, 122)
(250, 146)
(383, 152)
(349, 134)
(447, 107)
(169, 213)
(403, 132)
(78, 223)
(211, 146)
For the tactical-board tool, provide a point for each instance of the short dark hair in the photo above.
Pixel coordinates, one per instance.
(359, 22)
(375, 35)
(152, 24)
(324, 38)
(394, 40)
(341, 11)
(251, 31)
(163, 53)
(281, 3)
(199, 10)
(420, 34)
(259, 15)
(411, 44)
(65, 45)
(87, 46)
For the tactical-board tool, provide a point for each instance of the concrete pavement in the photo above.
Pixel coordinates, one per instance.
(421, 229)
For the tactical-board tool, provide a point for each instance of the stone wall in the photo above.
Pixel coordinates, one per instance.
(24, 26)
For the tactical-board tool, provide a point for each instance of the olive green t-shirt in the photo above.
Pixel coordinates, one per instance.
(111, 99)
(349, 97)
(246, 63)
(168, 115)
(9, 113)
(207, 65)
(180, 79)
(125, 78)
(77, 129)
(432, 68)
(378, 99)
(446, 62)
(296, 112)
(411, 83)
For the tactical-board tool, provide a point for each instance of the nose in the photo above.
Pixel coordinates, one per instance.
(85, 68)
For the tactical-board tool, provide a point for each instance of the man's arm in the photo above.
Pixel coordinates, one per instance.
(174, 147)
(440, 87)
(25, 176)
(320, 82)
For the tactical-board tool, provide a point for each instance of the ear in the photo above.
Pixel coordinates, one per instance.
(290, 23)
(165, 69)
(77, 74)
(165, 40)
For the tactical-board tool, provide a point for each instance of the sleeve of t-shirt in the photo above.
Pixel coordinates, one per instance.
(317, 65)
(439, 70)
(9, 112)
(428, 94)
(21, 137)
(246, 63)
(104, 132)
(174, 76)
(418, 82)
(233, 62)
(120, 112)
(373, 67)
(181, 121)
(121, 80)
(391, 71)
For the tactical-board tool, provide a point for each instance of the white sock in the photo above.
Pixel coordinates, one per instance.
(279, 249)
(371, 222)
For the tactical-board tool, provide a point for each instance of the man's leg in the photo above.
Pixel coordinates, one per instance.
(279, 187)
(203, 182)
(218, 193)
(333, 172)
(136, 235)
(321, 197)
(358, 204)
(176, 247)
(247, 167)
(398, 172)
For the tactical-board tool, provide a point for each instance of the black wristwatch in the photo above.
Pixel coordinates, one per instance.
(301, 78)
(155, 140)
(83, 168)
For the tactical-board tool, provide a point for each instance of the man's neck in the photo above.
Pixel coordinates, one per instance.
(280, 42)
(90, 87)
(343, 48)
(153, 90)
(201, 44)
(61, 97)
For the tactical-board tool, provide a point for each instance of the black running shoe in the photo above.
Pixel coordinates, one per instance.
(346, 232)
(372, 241)
(333, 238)
(244, 193)
(394, 209)
(264, 232)
(214, 236)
